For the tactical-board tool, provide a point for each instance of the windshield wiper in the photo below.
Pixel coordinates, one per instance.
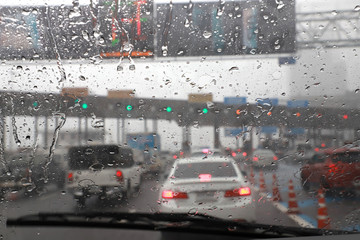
(165, 222)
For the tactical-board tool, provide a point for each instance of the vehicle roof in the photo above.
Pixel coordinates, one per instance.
(202, 159)
(339, 150)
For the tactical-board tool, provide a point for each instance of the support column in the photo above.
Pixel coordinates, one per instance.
(104, 132)
(155, 125)
(46, 132)
(216, 136)
(2, 138)
(123, 137)
(86, 130)
(36, 132)
(145, 125)
(118, 130)
(79, 130)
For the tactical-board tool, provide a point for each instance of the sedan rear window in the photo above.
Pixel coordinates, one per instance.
(215, 169)
(82, 158)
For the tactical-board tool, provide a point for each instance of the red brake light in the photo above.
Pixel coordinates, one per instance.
(323, 145)
(244, 191)
(255, 159)
(167, 194)
(275, 158)
(244, 154)
(175, 157)
(70, 177)
(233, 154)
(119, 175)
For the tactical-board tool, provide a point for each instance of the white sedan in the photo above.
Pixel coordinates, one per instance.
(212, 186)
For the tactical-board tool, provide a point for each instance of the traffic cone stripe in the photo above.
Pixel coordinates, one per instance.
(323, 218)
(293, 206)
(262, 182)
(276, 192)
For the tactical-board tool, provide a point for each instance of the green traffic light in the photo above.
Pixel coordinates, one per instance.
(129, 107)
(205, 110)
(168, 109)
(84, 106)
(77, 100)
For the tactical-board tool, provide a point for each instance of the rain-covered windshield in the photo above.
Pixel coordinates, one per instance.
(104, 104)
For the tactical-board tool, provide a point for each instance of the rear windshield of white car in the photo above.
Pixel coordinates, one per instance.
(82, 158)
(197, 170)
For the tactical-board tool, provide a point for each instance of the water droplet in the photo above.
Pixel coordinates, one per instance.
(119, 68)
(334, 12)
(357, 90)
(266, 17)
(253, 51)
(357, 8)
(82, 78)
(187, 23)
(193, 212)
(132, 67)
(233, 68)
(207, 34)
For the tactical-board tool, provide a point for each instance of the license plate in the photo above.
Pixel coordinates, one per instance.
(204, 197)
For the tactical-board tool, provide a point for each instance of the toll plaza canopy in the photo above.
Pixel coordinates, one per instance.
(143, 28)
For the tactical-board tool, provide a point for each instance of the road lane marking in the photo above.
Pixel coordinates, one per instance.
(296, 218)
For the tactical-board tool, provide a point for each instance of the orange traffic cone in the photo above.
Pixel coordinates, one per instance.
(262, 182)
(252, 176)
(293, 206)
(276, 192)
(322, 217)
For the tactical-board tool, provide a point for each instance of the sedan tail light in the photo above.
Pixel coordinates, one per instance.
(243, 191)
(119, 175)
(168, 194)
(275, 158)
(255, 159)
(70, 177)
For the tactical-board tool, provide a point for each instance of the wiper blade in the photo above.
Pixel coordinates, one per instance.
(165, 222)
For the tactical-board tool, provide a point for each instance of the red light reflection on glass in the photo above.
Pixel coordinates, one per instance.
(205, 177)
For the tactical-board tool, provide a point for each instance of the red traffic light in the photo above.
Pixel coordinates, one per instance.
(345, 116)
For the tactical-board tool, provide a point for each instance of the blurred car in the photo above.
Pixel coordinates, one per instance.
(213, 186)
(264, 158)
(106, 171)
(334, 169)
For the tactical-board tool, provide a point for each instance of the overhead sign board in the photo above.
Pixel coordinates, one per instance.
(75, 92)
(120, 94)
(267, 101)
(235, 100)
(200, 98)
(232, 132)
(287, 60)
(268, 129)
(297, 131)
(297, 103)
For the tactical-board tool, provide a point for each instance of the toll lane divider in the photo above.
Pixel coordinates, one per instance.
(301, 219)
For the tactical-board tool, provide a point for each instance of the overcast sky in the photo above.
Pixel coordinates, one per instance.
(254, 77)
